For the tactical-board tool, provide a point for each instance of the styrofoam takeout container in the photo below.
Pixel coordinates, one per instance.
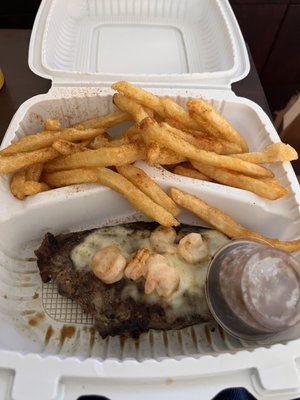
(48, 347)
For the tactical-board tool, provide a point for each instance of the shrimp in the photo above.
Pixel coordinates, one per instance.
(160, 276)
(192, 248)
(136, 267)
(163, 239)
(108, 264)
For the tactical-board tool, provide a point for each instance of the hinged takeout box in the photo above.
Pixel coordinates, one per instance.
(48, 347)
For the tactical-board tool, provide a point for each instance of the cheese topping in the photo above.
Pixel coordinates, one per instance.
(192, 276)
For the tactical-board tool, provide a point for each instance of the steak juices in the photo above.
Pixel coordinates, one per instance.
(253, 290)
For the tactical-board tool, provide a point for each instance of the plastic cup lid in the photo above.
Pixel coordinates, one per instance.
(270, 288)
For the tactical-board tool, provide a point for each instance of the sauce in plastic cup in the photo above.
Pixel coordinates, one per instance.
(253, 290)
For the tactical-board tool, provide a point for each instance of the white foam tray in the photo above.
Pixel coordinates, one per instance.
(29, 310)
(167, 42)
(48, 347)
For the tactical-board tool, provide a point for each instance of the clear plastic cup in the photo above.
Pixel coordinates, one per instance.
(253, 290)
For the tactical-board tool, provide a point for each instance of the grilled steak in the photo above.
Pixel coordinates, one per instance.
(123, 307)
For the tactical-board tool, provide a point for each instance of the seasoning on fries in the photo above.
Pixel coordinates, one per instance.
(160, 133)
(190, 172)
(193, 141)
(267, 189)
(224, 223)
(276, 152)
(147, 185)
(105, 121)
(141, 96)
(217, 121)
(102, 157)
(20, 160)
(44, 139)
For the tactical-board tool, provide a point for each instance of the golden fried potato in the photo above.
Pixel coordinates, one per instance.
(32, 187)
(141, 96)
(47, 138)
(204, 143)
(99, 141)
(153, 151)
(148, 186)
(17, 161)
(17, 184)
(70, 177)
(104, 121)
(34, 171)
(124, 103)
(65, 147)
(163, 136)
(224, 223)
(176, 112)
(217, 121)
(190, 173)
(276, 152)
(226, 147)
(135, 196)
(268, 189)
(103, 157)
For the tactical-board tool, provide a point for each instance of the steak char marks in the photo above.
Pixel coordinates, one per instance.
(116, 308)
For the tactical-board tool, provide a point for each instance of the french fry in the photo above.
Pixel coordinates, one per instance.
(268, 189)
(175, 111)
(127, 104)
(135, 196)
(148, 186)
(168, 139)
(227, 147)
(168, 157)
(130, 136)
(132, 133)
(152, 156)
(100, 141)
(276, 152)
(103, 157)
(190, 173)
(116, 182)
(52, 125)
(141, 96)
(32, 188)
(163, 132)
(70, 177)
(17, 161)
(122, 141)
(204, 143)
(85, 143)
(17, 185)
(34, 171)
(224, 223)
(104, 121)
(209, 114)
(65, 147)
(204, 125)
(46, 138)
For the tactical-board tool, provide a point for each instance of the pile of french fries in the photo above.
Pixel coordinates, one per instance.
(196, 142)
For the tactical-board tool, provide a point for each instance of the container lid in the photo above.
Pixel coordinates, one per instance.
(158, 43)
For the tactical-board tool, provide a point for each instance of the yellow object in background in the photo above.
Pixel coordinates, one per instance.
(1, 79)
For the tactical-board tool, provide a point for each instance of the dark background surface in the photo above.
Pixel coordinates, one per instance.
(271, 29)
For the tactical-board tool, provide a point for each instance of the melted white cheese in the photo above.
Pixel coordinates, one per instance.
(192, 276)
